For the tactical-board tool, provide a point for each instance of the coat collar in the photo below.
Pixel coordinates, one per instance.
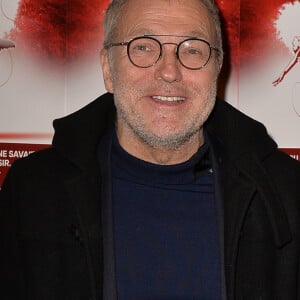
(238, 133)
(77, 135)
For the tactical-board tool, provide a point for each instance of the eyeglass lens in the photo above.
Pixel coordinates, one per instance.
(192, 53)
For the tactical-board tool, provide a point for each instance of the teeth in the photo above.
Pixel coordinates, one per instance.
(169, 99)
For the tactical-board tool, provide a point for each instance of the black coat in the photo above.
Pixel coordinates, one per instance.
(51, 214)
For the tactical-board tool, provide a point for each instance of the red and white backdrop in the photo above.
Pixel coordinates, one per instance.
(49, 67)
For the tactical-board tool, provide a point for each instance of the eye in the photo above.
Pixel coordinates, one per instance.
(141, 50)
(193, 51)
(142, 47)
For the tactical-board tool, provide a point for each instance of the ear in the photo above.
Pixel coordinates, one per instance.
(106, 72)
(219, 66)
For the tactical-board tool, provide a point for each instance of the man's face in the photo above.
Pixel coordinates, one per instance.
(164, 105)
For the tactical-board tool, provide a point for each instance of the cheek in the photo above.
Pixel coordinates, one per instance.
(201, 81)
(131, 77)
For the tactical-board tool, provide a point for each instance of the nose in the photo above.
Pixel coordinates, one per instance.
(168, 68)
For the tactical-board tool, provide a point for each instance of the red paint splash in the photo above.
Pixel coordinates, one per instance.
(249, 25)
(258, 33)
(59, 30)
(64, 30)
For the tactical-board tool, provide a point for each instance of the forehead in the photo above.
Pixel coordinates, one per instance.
(174, 17)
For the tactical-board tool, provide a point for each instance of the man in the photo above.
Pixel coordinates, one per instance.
(155, 190)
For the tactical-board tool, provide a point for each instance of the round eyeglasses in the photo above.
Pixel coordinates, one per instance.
(145, 51)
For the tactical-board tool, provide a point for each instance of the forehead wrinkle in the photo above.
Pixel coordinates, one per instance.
(193, 33)
(158, 20)
(135, 31)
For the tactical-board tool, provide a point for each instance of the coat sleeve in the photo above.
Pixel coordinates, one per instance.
(10, 270)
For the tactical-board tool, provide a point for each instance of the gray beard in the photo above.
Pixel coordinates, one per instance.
(169, 143)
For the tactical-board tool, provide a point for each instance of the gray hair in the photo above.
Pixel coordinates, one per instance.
(114, 9)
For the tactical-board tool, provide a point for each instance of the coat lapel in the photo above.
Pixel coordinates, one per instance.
(242, 179)
(237, 195)
(254, 169)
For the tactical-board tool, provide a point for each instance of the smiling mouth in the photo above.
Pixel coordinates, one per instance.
(168, 99)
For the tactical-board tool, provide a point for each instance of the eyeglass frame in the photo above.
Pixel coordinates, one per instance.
(127, 44)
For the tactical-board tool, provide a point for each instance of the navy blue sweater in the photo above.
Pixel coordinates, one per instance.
(165, 229)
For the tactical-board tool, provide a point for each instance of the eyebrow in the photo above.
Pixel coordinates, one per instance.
(194, 33)
(171, 35)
